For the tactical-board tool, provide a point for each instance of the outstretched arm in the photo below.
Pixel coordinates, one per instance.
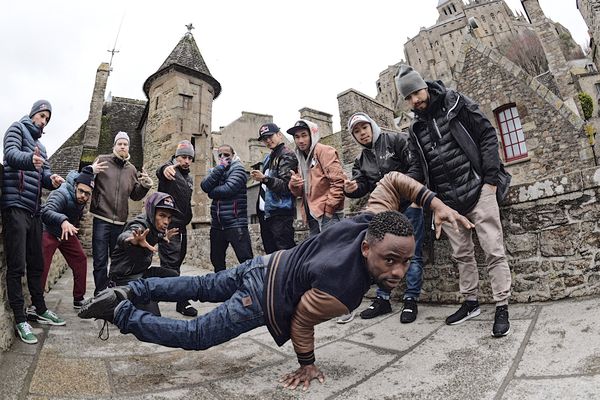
(395, 186)
(314, 307)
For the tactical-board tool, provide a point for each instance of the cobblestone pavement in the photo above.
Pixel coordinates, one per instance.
(552, 352)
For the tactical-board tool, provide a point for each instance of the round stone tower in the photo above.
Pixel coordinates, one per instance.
(180, 95)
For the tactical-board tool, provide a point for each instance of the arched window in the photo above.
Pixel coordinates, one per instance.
(511, 132)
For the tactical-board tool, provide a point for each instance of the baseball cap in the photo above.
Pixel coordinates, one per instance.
(299, 125)
(267, 130)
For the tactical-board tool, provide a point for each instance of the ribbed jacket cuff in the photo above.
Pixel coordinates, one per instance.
(306, 358)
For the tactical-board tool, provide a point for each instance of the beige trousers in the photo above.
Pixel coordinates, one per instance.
(486, 218)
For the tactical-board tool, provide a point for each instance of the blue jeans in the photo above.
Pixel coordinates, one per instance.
(414, 275)
(315, 227)
(104, 240)
(239, 289)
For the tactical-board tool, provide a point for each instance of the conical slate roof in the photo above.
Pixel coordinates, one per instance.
(186, 58)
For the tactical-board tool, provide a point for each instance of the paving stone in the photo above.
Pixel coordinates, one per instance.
(13, 371)
(77, 377)
(339, 362)
(568, 334)
(557, 388)
(457, 362)
(188, 368)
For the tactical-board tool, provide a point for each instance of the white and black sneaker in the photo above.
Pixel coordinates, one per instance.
(501, 324)
(467, 310)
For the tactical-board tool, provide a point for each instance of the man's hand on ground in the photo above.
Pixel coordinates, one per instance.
(302, 375)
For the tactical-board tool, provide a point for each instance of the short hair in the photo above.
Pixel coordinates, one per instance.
(227, 145)
(392, 222)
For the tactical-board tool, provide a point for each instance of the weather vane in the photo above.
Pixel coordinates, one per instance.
(190, 27)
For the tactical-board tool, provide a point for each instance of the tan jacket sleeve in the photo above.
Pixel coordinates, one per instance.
(314, 307)
(332, 168)
(395, 186)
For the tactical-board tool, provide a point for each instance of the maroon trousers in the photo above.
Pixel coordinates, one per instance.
(72, 252)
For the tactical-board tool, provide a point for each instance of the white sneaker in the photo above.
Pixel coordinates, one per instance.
(344, 319)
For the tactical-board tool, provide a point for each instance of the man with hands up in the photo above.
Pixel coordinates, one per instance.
(117, 181)
(61, 216)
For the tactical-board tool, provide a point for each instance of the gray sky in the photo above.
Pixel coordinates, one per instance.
(271, 57)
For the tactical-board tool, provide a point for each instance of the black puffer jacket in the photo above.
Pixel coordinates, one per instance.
(226, 186)
(181, 189)
(22, 183)
(389, 152)
(62, 206)
(437, 156)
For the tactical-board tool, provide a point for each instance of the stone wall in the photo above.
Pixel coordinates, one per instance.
(556, 142)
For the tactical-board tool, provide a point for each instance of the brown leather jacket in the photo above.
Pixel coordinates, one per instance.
(113, 187)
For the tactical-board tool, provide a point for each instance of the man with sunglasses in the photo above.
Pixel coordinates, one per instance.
(61, 216)
(225, 184)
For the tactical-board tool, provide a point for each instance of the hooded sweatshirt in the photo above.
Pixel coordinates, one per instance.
(128, 259)
(388, 152)
(323, 190)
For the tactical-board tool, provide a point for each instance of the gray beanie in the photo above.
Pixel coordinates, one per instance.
(185, 148)
(408, 81)
(121, 135)
(39, 106)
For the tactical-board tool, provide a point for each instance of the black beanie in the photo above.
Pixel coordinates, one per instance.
(86, 176)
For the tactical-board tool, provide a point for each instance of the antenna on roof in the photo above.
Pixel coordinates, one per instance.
(114, 49)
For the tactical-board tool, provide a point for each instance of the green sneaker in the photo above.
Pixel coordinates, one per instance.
(49, 318)
(25, 333)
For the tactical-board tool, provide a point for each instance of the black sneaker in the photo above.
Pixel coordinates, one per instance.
(501, 324)
(467, 310)
(410, 311)
(102, 306)
(185, 308)
(379, 307)
(78, 303)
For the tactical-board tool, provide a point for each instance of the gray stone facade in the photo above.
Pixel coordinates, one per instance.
(554, 136)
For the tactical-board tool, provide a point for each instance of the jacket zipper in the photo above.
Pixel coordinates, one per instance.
(444, 161)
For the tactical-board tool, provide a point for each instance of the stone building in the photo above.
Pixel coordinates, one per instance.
(590, 11)
(434, 50)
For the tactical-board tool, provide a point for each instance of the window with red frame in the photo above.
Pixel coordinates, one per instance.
(511, 131)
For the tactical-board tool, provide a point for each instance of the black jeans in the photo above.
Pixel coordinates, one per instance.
(173, 253)
(239, 238)
(277, 232)
(104, 240)
(23, 247)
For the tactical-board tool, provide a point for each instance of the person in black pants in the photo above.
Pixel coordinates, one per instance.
(26, 172)
(275, 205)
(174, 179)
(225, 184)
